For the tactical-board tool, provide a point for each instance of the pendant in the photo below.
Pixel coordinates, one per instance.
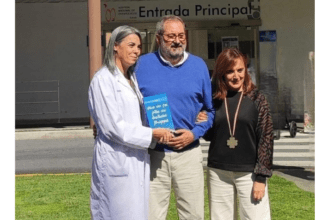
(232, 142)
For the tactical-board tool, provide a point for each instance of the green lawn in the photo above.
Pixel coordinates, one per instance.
(67, 197)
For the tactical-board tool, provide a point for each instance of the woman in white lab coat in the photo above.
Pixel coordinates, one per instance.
(120, 169)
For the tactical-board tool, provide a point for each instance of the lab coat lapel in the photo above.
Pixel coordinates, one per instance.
(122, 80)
(140, 97)
(133, 77)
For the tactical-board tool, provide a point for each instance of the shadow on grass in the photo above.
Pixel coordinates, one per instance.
(299, 172)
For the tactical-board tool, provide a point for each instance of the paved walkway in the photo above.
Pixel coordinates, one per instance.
(302, 176)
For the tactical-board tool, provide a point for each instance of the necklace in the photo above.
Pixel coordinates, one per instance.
(232, 142)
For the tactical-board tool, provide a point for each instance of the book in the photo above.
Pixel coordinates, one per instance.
(158, 111)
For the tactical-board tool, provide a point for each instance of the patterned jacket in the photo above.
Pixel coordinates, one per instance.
(265, 134)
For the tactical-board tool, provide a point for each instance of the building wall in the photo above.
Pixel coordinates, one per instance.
(51, 45)
(294, 24)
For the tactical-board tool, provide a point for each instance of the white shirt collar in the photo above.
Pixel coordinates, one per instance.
(185, 57)
(118, 70)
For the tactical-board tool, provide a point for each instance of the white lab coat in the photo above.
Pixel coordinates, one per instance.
(120, 169)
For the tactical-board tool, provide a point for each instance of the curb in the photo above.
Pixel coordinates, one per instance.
(53, 133)
(304, 184)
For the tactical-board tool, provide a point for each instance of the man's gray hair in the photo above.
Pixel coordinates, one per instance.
(117, 36)
(160, 24)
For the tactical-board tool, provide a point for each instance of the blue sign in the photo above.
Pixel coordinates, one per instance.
(267, 36)
(158, 111)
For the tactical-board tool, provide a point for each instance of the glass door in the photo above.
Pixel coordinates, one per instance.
(243, 38)
(148, 40)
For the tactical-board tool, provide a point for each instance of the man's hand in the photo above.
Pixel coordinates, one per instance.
(258, 191)
(184, 138)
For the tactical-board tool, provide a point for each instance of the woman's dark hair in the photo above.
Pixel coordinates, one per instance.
(225, 61)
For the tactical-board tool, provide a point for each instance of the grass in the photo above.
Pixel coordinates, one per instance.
(67, 197)
(52, 197)
(287, 201)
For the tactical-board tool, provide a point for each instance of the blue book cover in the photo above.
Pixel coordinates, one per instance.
(158, 111)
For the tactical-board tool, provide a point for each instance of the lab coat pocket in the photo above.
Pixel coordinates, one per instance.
(116, 164)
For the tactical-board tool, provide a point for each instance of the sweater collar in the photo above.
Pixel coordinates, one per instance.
(185, 57)
(231, 93)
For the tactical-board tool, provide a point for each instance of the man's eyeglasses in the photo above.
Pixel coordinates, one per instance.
(172, 37)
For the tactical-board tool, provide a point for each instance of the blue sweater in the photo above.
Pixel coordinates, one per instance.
(188, 90)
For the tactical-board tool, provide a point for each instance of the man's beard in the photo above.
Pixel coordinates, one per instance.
(166, 51)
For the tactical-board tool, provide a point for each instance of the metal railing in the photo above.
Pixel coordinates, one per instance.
(57, 90)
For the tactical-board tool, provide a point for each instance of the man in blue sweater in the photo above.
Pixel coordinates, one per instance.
(185, 80)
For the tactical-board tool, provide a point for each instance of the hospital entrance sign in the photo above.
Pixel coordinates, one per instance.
(149, 11)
